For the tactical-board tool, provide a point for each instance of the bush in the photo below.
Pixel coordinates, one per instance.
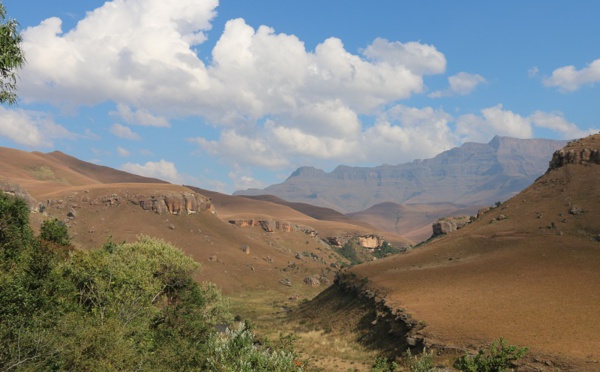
(422, 363)
(55, 231)
(500, 357)
(383, 365)
(123, 307)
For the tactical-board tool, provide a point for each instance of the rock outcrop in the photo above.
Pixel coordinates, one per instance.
(174, 203)
(273, 225)
(171, 202)
(446, 225)
(580, 156)
(371, 241)
(17, 190)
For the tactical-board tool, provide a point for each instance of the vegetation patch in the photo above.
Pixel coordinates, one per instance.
(131, 306)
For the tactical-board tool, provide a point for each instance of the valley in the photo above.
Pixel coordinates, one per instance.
(524, 269)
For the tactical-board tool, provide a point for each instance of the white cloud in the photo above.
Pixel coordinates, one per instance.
(151, 58)
(533, 72)
(568, 78)
(139, 117)
(241, 150)
(557, 123)
(164, 170)
(405, 133)
(122, 131)
(123, 152)
(461, 84)
(30, 128)
(493, 120)
(497, 120)
(422, 59)
(243, 181)
(399, 134)
(127, 51)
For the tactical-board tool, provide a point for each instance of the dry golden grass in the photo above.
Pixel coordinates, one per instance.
(530, 276)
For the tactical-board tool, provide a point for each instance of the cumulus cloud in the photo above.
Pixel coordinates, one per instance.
(568, 78)
(139, 117)
(419, 58)
(164, 170)
(30, 128)
(127, 51)
(124, 132)
(242, 150)
(123, 152)
(404, 133)
(493, 120)
(244, 181)
(497, 120)
(461, 84)
(151, 58)
(399, 134)
(555, 121)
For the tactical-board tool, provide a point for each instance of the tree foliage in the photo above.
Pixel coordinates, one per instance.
(12, 57)
(129, 306)
(55, 231)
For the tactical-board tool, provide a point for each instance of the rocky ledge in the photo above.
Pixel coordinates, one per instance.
(581, 152)
(169, 202)
(273, 225)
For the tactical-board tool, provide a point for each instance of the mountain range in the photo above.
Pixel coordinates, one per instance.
(472, 174)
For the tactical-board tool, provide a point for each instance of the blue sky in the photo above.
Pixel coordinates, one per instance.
(235, 94)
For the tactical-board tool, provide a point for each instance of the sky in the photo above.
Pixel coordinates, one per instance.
(228, 95)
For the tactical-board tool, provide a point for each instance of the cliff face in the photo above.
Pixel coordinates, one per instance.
(473, 174)
(170, 202)
(577, 152)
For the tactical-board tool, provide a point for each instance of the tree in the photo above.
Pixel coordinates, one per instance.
(55, 231)
(12, 57)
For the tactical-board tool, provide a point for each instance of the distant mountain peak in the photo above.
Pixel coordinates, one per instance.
(307, 171)
(472, 174)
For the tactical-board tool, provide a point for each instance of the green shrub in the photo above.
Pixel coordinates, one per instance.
(385, 250)
(422, 363)
(500, 357)
(381, 364)
(125, 306)
(55, 231)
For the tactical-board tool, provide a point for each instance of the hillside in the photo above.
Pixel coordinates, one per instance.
(413, 221)
(98, 203)
(526, 271)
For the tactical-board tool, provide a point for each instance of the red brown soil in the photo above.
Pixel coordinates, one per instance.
(532, 278)
(207, 237)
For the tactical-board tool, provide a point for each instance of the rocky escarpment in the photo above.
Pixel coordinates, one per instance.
(273, 225)
(576, 152)
(370, 241)
(351, 300)
(168, 202)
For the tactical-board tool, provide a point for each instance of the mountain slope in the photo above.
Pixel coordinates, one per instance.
(43, 174)
(98, 203)
(413, 221)
(473, 174)
(526, 271)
